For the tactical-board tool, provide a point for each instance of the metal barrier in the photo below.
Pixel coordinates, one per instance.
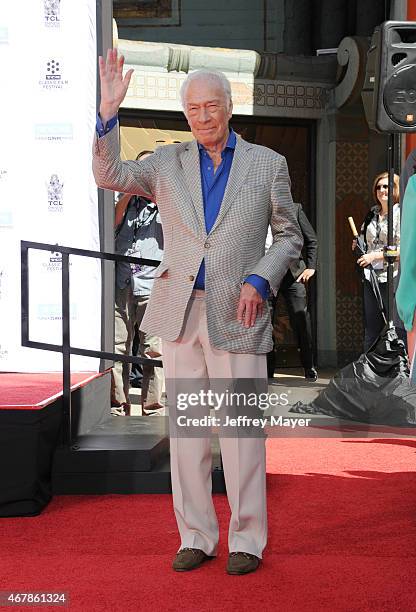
(65, 348)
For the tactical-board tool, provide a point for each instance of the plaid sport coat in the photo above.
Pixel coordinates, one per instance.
(257, 193)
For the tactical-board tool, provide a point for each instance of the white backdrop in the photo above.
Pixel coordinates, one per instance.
(47, 191)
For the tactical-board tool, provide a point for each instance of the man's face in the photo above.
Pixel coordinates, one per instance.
(208, 112)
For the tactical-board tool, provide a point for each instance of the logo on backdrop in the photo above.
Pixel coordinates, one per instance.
(53, 132)
(53, 312)
(52, 75)
(53, 263)
(55, 194)
(52, 13)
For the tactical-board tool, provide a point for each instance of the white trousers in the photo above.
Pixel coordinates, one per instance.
(129, 310)
(190, 357)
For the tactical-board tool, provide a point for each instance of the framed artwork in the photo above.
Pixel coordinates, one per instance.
(139, 13)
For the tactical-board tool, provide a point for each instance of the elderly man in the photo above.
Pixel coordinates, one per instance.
(217, 196)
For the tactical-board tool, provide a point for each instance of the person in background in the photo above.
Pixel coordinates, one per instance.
(293, 289)
(374, 234)
(136, 372)
(406, 291)
(138, 231)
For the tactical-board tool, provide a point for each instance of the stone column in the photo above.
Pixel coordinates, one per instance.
(297, 37)
(330, 22)
(325, 224)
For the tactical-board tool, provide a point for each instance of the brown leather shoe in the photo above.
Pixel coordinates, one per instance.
(188, 559)
(242, 563)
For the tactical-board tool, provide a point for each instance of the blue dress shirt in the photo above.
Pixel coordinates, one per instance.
(101, 130)
(213, 188)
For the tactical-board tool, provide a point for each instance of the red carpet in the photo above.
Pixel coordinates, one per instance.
(342, 516)
(33, 391)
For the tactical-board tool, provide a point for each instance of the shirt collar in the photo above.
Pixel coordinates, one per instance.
(230, 144)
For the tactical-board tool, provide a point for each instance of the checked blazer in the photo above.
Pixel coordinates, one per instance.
(257, 193)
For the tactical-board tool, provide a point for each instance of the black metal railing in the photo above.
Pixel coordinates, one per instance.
(65, 348)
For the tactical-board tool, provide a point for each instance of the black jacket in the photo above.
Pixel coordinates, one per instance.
(310, 244)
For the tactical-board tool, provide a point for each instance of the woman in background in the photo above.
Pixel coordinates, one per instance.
(374, 234)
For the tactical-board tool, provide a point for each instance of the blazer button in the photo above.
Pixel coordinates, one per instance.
(207, 245)
(192, 277)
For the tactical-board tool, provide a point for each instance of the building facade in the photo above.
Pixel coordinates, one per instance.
(296, 68)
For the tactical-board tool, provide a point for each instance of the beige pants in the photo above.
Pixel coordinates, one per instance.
(192, 356)
(129, 310)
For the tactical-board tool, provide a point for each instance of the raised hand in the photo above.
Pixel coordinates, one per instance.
(113, 85)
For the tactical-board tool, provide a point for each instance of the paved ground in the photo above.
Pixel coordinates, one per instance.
(292, 381)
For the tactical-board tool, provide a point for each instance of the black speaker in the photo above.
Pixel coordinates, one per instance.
(389, 91)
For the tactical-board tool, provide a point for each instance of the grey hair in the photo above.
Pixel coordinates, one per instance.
(214, 76)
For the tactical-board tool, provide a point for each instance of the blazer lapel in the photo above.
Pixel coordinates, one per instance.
(191, 168)
(239, 169)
